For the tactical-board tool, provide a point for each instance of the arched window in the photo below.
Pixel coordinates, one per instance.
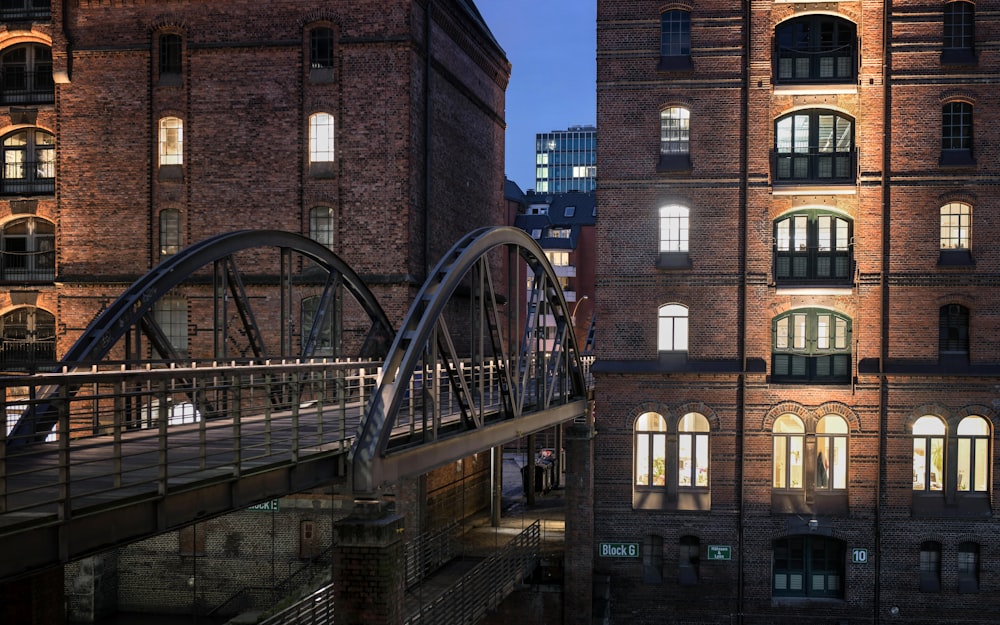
(930, 566)
(29, 162)
(956, 223)
(831, 453)
(692, 451)
(973, 460)
(968, 567)
(170, 55)
(808, 566)
(812, 246)
(675, 40)
(959, 33)
(816, 48)
(814, 146)
(650, 450)
(652, 559)
(26, 75)
(29, 338)
(672, 333)
(688, 557)
(811, 345)
(788, 435)
(956, 134)
(321, 48)
(28, 250)
(321, 226)
(675, 131)
(928, 454)
(171, 238)
(321, 138)
(171, 141)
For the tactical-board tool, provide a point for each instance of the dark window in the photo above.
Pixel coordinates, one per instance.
(968, 567)
(29, 338)
(308, 540)
(811, 345)
(959, 31)
(15, 10)
(814, 146)
(29, 162)
(812, 247)
(930, 566)
(321, 48)
(808, 566)
(956, 134)
(28, 250)
(170, 54)
(675, 40)
(953, 330)
(816, 48)
(26, 75)
(170, 232)
(318, 330)
(652, 559)
(191, 540)
(687, 560)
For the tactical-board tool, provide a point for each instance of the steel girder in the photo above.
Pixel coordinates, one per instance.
(540, 385)
(129, 315)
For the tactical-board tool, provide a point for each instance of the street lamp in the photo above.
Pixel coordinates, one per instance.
(578, 302)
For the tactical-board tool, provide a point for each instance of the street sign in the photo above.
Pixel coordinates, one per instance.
(267, 506)
(859, 556)
(618, 550)
(720, 552)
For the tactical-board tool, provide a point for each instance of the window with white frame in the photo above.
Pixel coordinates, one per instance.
(956, 224)
(692, 451)
(171, 141)
(674, 228)
(321, 138)
(170, 232)
(928, 454)
(321, 226)
(651, 450)
(788, 436)
(675, 130)
(672, 330)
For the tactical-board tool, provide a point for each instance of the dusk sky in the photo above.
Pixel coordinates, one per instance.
(552, 46)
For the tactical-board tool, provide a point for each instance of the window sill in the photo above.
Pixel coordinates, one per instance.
(957, 158)
(321, 76)
(817, 88)
(680, 63)
(170, 80)
(171, 173)
(673, 260)
(818, 187)
(959, 57)
(674, 163)
(324, 169)
(956, 258)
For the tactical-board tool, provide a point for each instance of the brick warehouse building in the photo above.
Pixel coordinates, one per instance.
(796, 384)
(133, 128)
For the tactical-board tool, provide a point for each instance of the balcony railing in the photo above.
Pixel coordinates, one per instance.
(28, 266)
(23, 10)
(19, 86)
(814, 166)
(28, 177)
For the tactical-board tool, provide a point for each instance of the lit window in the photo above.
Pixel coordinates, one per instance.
(672, 334)
(559, 233)
(171, 141)
(831, 453)
(321, 226)
(674, 228)
(321, 138)
(928, 454)
(29, 162)
(170, 232)
(692, 451)
(816, 48)
(811, 345)
(558, 259)
(956, 222)
(973, 461)
(930, 566)
(675, 130)
(788, 437)
(812, 246)
(808, 566)
(650, 450)
(26, 75)
(968, 567)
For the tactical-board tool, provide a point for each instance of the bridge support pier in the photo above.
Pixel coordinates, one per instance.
(578, 576)
(369, 566)
(34, 600)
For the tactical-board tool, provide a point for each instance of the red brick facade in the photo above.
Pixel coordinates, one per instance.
(867, 550)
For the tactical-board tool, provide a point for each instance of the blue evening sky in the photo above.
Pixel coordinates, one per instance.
(552, 47)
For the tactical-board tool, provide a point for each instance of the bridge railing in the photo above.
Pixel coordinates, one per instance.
(98, 434)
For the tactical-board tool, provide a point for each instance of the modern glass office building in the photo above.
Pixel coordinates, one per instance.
(566, 160)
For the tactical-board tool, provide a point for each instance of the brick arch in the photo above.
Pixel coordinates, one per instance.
(955, 298)
(714, 422)
(9, 39)
(648, 406)
(787, 407)
(321, 17)
(673, 6)
(958, 95)
(978, 410)
(167, 26)
(842, 410)
(932, 409)
(797, 11)
(965, 196)
(844, 307)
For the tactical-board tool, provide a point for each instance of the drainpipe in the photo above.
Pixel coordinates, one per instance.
(741, 307)
(427, 139)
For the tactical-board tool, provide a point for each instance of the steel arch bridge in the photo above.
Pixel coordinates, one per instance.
(485, 354)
